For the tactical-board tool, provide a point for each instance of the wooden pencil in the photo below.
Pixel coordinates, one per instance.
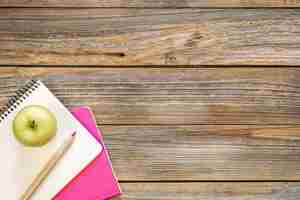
(48, 167)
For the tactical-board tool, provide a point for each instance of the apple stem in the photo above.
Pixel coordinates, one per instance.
(33, 124)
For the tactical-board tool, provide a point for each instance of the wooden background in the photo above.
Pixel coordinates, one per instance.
(196, 99)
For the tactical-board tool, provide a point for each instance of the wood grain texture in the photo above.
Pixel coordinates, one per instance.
(175, 149)
(146, 37)
(210, 191)
(150, 3)
(8, 84)
(211, 152)
(178, 95)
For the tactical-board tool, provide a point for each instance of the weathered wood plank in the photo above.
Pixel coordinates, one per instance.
(178, 95)
(8, 84)
(210, 191)
(211, 152)
(149, 36)
(150, 3)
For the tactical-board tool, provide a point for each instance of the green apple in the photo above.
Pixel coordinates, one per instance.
(34, 126)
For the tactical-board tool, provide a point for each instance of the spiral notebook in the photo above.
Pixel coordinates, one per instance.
(20, 164)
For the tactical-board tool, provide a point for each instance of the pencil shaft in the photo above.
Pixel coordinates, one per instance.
(48, 168)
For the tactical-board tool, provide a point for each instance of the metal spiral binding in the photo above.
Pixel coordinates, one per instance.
(18, 98)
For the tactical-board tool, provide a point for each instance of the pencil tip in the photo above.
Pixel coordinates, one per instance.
(74, 133)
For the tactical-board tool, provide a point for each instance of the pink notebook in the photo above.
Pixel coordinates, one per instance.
(97, 181)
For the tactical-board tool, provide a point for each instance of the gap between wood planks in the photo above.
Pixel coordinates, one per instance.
(210, 181)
